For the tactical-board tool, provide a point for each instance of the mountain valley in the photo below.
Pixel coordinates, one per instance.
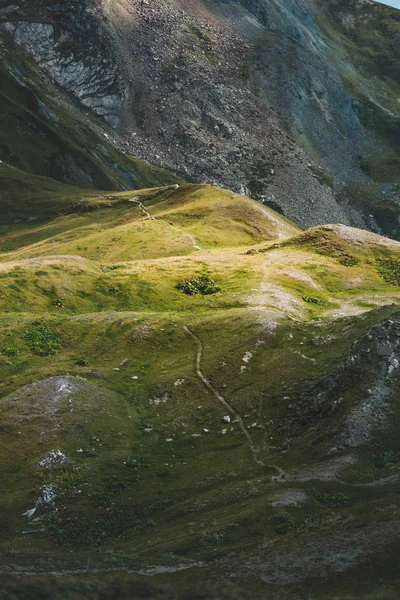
(199, 300)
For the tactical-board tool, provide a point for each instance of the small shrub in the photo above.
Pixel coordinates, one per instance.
(285, 523)
(389, 269)
(203, 284)
(212, 539)
(82, 362)
(69, 479)
(42, 340)
(114, 289)
(58, 303)
(349, 261)
(135, 464)
(11, 352)
(386, 459)
(314, 300)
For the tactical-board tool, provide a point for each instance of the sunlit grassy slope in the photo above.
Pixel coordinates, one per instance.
(188, 437)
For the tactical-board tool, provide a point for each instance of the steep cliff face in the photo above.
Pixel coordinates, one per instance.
(294, 103)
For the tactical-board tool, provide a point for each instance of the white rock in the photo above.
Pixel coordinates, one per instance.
(179, 382)
(52, 458)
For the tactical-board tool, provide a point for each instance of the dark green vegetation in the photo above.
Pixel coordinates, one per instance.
(42, 340)
(203, 284)
(186, 437)
(390, 270)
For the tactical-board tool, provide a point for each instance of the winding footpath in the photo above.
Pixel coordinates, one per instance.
(253, 449)
(151, 218)
(220, 398)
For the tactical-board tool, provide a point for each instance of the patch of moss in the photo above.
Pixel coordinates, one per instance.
(42, 340)
(389, 269)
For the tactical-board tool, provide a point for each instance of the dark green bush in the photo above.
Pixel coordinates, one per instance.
(386, 459)
(332, 500)
(69, 479)
(58, 303)
(212, 539)
(203, 284)
(349, 261)
(11, 352)
(389, 269)
(314, 300)
(82, 362)
(42, 340)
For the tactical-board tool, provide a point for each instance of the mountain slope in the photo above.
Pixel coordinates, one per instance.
(250, 428)
(198, 397)
(294, 103)
(43, 132)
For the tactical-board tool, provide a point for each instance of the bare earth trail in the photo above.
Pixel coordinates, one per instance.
(226, 404)
(151, 218)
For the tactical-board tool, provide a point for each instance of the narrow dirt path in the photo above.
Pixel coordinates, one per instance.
(142, 208)
(195, 244)
(220, 398)
(148, 216)
(229, 407)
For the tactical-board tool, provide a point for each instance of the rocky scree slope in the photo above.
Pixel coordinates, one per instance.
(243, 442)
(294, 103)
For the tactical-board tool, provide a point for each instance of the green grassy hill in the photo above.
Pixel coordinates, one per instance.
(195, 395)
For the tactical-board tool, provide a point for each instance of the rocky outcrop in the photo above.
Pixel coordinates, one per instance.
(359, 396)
(75, 47)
